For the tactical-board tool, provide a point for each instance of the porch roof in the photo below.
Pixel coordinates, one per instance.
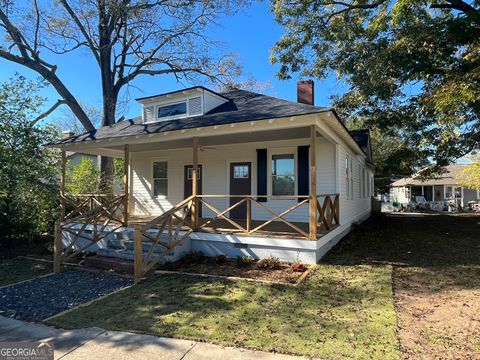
(451, 176)
(242, 106)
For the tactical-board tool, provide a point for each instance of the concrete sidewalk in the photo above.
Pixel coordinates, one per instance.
(96, 343)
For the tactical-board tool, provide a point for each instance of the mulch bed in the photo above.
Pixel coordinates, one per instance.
(43, 297)
(284, 275)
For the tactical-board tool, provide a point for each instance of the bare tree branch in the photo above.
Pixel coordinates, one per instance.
(48, 112)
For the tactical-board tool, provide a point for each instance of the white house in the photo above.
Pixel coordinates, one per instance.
(273, 177)
(440, 189)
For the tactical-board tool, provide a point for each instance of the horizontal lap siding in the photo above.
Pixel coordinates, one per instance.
(351, 209)
(215, 166)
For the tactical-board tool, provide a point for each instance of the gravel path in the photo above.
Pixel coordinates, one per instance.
(43, 297)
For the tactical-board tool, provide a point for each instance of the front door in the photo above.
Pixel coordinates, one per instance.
(187, 188)
(240, 184)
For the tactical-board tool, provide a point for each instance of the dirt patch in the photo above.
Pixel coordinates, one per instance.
(436, 275)
(438, 312)
(283, 275)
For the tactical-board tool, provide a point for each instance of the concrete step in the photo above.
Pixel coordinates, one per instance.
(129, 254)
(116, 244)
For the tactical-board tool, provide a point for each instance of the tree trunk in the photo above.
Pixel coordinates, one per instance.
(110, 95)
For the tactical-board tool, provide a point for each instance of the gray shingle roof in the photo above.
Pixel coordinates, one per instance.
(451, 176)
(242, 106)
(361, 137)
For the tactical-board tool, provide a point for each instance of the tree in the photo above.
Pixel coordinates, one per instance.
(411, 66)
(391, 156)
(470, 176)
(126, 39)
(66, 120)
(29, 191)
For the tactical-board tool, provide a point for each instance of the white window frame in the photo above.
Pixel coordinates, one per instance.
(180, 116)
(173, 102)
(351, 179)
(153, 179)
(283, 151)
(347, 177)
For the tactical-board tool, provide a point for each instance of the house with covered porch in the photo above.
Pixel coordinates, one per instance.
(234, 173)
(441, 190)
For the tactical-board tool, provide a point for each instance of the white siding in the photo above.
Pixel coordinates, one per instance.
(357, 206)
(215, 178)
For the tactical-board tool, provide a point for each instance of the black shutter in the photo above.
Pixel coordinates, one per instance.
(261, 174)
(302, 171)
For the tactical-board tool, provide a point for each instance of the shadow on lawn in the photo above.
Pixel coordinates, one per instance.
(271, 317)
(409, 240)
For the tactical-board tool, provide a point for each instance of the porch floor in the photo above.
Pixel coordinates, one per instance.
(276, 229)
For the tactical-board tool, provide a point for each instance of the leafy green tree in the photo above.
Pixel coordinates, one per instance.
(411, 66)
(470, 176)
(85, 177)
(28, 171)
(82, 178)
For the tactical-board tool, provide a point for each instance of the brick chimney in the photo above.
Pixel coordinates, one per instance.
(67, 133)
(305, 92)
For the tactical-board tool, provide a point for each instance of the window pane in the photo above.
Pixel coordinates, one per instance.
(283, 165)
(172, 110)
(160, 169)
(160, 187)
(240, 172)
(283, 185)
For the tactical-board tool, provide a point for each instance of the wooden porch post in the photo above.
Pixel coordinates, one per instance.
(57, 247)
(57, 236)
(313, 183)
(126, 182)
(138, 254)
(195, 183)
(62, 186)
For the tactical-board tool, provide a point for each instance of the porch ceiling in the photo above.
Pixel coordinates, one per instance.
(246, 137)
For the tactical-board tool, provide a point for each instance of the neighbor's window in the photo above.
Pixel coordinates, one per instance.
(283, 174)
(160, 178)
(448, 192)
(172, 110)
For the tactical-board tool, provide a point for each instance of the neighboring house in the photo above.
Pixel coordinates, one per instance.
(257, 178)
(443, 188)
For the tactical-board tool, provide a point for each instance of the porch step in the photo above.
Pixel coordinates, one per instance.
(130, 254)
(120, 244)
(110, 264)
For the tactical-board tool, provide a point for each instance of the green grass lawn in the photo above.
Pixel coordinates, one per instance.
(339, 312)
(19, 269)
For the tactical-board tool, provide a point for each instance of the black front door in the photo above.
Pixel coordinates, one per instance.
(240, 184)
(187, 188)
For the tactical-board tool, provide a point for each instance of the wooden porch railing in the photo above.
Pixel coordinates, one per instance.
(101, 215)
(96, 213)
(327, 213)
(165, 231)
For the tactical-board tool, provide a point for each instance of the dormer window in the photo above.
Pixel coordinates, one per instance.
(172, 110)
(180, 104)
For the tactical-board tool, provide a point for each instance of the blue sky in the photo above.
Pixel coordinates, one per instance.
(249, 34)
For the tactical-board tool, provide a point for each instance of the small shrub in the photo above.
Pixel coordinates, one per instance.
(244, 261)
(194, 257)
(299, 267)
(218, 259)
(270, 263)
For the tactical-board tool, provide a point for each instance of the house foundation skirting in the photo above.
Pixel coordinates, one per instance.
(290, 250)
